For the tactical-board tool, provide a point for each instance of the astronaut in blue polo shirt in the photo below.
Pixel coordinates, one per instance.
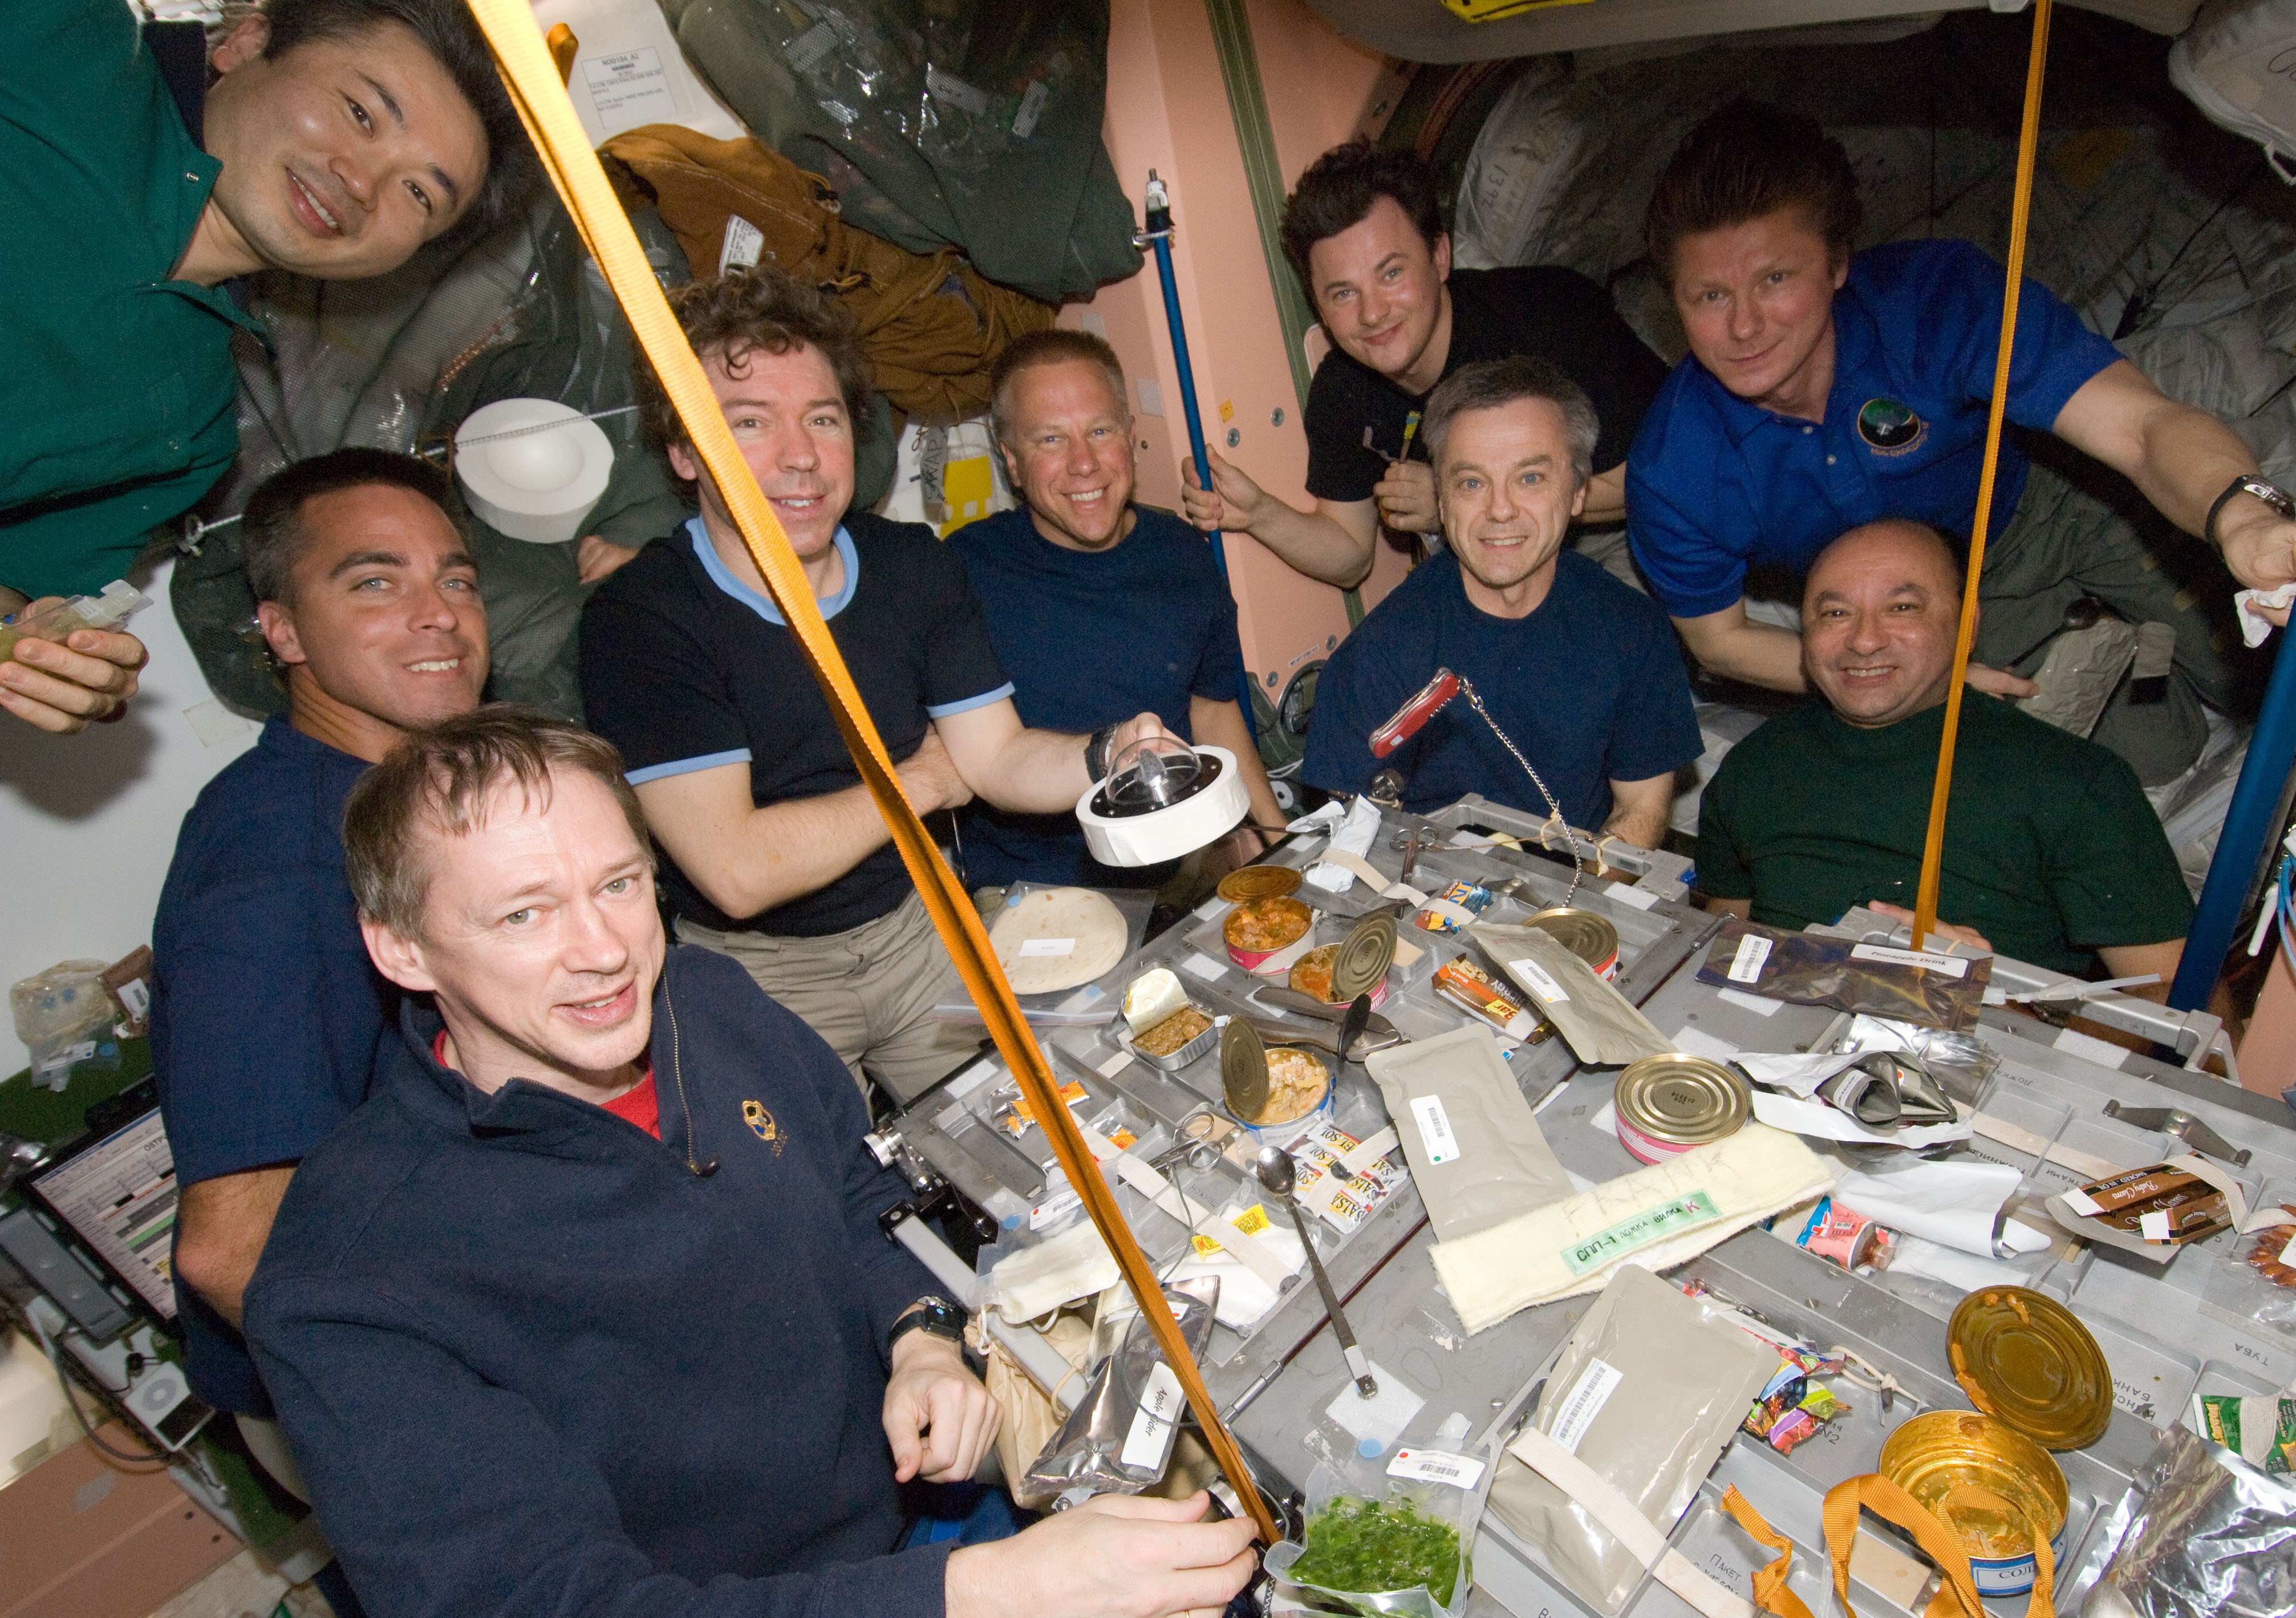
(1823, 391)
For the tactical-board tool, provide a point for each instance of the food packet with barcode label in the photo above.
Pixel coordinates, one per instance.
(1596, 1022)
(1927, 988)
(1474, 1148)
(1118, 1440)
(1646, 1392)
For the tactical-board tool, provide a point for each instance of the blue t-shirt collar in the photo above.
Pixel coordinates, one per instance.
(761, 604)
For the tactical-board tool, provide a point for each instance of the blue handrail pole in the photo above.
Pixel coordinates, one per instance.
(2241, 845)
(1158, 239)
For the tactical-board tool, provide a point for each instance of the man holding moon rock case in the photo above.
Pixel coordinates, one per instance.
(773, 853)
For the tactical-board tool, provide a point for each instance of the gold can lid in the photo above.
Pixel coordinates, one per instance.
(1585, 934)
(1987, 1482)
(1683, 1100)
(1257, 881)
(1244, 1070)
(2024, 1357)
(1362, 958)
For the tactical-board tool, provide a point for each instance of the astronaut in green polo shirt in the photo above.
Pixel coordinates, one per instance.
(2052, 856)
(328, 138)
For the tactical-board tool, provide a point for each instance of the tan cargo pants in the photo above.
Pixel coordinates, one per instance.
(869, 992)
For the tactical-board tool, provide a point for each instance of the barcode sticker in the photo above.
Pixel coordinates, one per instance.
(1541, 983)
(1434, 1128)
(1051, 1208)
(948, 88)
(1952, 966)
(1047, 946)
(1150, 1441)
(2154, 1227)
(1596, 1382)
(1436, 1466)
(1746, 965)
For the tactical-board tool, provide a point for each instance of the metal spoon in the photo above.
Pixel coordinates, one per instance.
(1279, 1174)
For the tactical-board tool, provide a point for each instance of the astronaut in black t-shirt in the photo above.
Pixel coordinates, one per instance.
(1365, 235)
(775, 853)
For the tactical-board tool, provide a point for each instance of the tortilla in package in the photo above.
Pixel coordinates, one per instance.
(1600, 1024)
(1118, 1440)
(1646, 1392)
(1928, 989)
(1474, 1148)
(1396, 1536)
(2155, 1210)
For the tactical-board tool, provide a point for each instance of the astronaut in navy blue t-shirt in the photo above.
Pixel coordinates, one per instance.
(1097, 608)
(1823, 392)
(1577, 668)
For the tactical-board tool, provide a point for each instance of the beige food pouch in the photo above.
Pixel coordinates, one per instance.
(1600, 1024)
(1646, 1393)
(1476, 1151)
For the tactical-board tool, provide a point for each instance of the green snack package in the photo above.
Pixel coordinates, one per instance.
(2260, 1431)
(1374, 1545)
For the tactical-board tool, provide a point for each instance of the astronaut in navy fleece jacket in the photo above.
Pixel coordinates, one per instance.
(587, 1311)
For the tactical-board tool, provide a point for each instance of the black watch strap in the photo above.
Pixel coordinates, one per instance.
(935, 1317)
(1096, 751)
(2271, 494)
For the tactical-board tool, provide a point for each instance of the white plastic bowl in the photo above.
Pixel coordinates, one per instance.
(541, 486)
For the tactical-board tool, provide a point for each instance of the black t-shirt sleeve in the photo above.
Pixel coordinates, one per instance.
(961, 667)
(1339, 403)
(1352, 700)
(650, 684)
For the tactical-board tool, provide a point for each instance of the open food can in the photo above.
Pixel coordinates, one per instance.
(1991, 1486)
(1592, 937)
(1266, 935)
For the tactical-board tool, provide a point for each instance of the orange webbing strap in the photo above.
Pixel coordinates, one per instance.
(534, 84)
(1885, 1499)
(2021, 210)
(1770, 1592)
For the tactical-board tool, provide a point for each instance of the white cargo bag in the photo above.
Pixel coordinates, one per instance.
(2238, 63)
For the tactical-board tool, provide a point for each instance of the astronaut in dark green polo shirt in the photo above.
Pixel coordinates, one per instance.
(2052, 856)
(333, 139)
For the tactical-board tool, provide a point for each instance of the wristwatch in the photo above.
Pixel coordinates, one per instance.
(935, 1317)
(2271, 494)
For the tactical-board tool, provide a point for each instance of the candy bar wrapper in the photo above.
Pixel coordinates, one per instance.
(2155, 1210)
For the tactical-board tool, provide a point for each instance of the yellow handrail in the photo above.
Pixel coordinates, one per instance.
(535, 87)
(2029, 140)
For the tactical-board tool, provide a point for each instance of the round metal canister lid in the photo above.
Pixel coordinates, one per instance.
(1363, 957)
(1244, 1070)
(1683, 1100)
(1586, 935)
(1258, 881)
(2024, 1357)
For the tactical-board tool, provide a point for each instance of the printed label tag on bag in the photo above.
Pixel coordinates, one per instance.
(1047, 946)
(1434, 1128)
(1683, 1213)
(1150, 1441)
(1597, 1381)
(1952, 966)
(1542, 983)
(745, 242)
(1436, 1466)
(1746, 965)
